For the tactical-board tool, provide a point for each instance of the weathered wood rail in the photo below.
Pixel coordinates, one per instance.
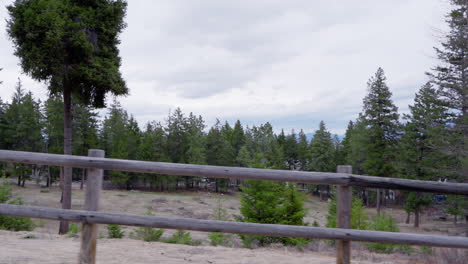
(347, 179)
(92, 217)
(344, 179)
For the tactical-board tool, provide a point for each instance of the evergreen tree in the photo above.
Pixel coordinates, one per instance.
(345, 150)
(153, 148)
(380, 117)
(290, 150)
(322, 156)
(322, 150)
(303, 153)
(244, 159)
(271, 203)
(196, 152)
(420, 144)
(219, 152)
(177, 136)
(119, 137)
(357, 146)
(238, 137)
(196, 137)
(22, 129)
(3, 107)
(73, 48)
(451, 77)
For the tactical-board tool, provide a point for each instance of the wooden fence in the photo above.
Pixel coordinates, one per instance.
(344, 179)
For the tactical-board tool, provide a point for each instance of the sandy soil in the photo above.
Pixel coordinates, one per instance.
(33, 247)
(197, 205)
(44, 246)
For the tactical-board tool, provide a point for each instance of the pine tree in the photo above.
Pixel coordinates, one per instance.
(219, 152)
(244, 159)
(271, 203)
(238, 137)
(177, 136)
(380, 117)
(346, 143)
(322, 150)
(290, 150)
(303, 153)
(451, 77)
(322, 155)
(420, 144)
(196, 137)
(116, 139)
(23, 129)
(74, 50)
(153, 148)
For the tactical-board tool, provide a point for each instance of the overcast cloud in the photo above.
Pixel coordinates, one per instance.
(292, 63)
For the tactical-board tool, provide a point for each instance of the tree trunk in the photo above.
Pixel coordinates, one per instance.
(48, 177)
(83, 171)
(378, 202)
(67, 150)
(416, 217)
(19, 179)
(366, 195)
(408, 216)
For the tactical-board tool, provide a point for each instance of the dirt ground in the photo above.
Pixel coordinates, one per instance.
(44, 246)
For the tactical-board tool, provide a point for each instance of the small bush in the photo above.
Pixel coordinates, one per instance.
(182, 237)
(5, 192)
(9, 222)
(426, 250)
(359, 218)
(216, 238)
(388, 224)
(73, 230)
(219, 239)
(148, 234)
(16, 223)
(114, 231)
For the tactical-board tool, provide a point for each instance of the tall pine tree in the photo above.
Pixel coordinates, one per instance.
(420, 144)
(380, 117)
(451, 77)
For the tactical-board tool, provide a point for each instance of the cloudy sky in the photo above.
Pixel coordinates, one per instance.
(292, 63)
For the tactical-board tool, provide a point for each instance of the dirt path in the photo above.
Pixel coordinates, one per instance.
(44, 248)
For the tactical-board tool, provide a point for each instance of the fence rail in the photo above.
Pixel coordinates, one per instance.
(91, 217)
(232, 172)
(344, 179)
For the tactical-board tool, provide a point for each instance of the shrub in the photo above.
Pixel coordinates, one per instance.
(114, 231)
(73, 230)
(388, 224)
(5, 192)
(182, 237)
(359, 218)
(271, 203)
(216, 238)
(149, 234)
(10, 222)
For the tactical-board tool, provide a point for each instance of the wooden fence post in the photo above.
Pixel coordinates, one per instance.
(93, 192)
(343, 202)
